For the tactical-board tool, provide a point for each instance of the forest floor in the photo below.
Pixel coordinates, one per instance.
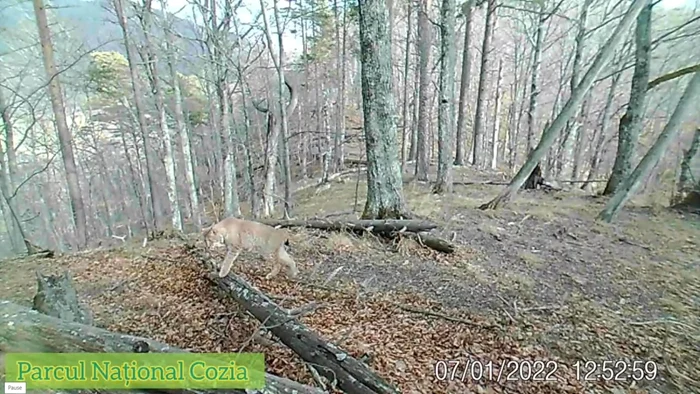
(538, 280)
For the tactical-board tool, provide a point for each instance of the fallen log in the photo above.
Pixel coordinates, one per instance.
(386, 228)
(433, 242)
(374, 226)
(26, 330)
(335, 364)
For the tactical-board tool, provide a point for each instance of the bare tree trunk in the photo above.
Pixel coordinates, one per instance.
(479, 121)
(534, 78)
(140, 114)
(464, 81)
(179, 118)
(64, 134)
(446, 106)
(231, 202)
(685, 179)
(552, 132)
(631, 121)
(519, 113)
(413, 152)
(626, 189)
(325, 172)
(601, 135)
(384, 183)
(338, 149)
(572, 128)
(581, 137)
(425, 38)
(250, 175)
(284, 112)
(497, 118)
(136, 174)
(406, 68)
(510, 125)
(13, 232)
(157, 88)
(279, 126)
(554, 156)
(273, 134)
(9, 141)
(305, 137)
(14, 229)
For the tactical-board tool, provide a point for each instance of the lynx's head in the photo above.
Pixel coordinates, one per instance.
(213, 237)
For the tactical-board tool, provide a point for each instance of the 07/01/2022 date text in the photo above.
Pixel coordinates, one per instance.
(502, 371)
(543, 370)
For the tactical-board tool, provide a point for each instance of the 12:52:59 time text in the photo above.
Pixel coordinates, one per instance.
(615, 370)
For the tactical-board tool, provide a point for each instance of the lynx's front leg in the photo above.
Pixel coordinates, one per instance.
(282, 258)
(228, 262)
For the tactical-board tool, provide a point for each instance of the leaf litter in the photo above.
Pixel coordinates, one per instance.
(162, 292)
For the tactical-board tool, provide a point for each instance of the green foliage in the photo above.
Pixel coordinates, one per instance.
(108, 74)
(192, 90)
(320, 29)
(191, 86)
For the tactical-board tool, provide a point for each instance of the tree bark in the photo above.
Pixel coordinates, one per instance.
(631, 122)
(685, 179)
(26, 330)
(446, 106)
(338, 146)
(629, 186)
(413, 151)
(552, 132)
(351, 375)
(497, 118)
(425, 35)
(64, 134)
(384, 181)
(406, 67)
(464, 82)
(478, 133)
(285, 112)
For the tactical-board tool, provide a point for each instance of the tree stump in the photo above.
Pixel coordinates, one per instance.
(535, 179)
(56, 297)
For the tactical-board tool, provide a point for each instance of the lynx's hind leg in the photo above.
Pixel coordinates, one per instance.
(283, 257)
(228, 262)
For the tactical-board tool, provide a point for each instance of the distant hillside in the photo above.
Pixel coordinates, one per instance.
(89, 21)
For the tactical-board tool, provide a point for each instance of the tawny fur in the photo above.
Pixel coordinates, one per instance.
(239, 234)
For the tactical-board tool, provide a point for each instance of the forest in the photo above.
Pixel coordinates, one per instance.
(481, 196)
